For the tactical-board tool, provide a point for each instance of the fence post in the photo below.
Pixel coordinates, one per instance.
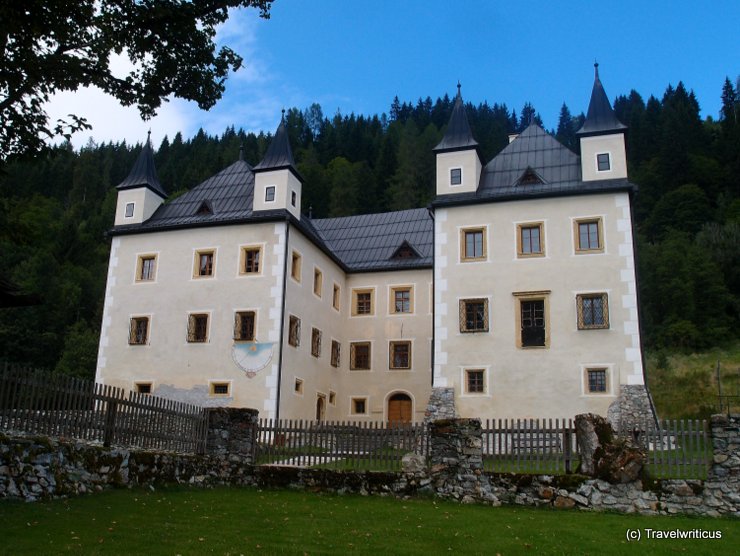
(110, 422)
(567, 452)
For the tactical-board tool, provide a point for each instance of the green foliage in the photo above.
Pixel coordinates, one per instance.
(64, 45)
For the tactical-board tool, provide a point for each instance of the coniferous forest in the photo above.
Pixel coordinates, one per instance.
(55, 209)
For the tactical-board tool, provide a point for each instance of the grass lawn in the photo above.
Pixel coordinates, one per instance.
(248, 521)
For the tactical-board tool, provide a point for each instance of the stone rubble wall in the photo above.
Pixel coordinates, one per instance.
(37, 468)
(633, 407)
(441, 405)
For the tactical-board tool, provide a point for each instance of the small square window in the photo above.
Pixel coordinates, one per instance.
(221, 389)
(530, 240)
(335, 353)
(359, 406)
(138, 331)
(295, 266)
(475, 381)
(298, 386)
(250, 260)
(335, 297)
(197, 328)
(402, 300)
(316, 342)
(400, 355)
(129, 210)
(204, 261)
(294, 331)
(244, 326)
(362, 302)
(589, 235)
(603, 164)
(269, 194)
(146, 268)
(597, 381)
(473, 246)
(317, 282)
(455, 176)
(359, 356)
(474, 315)
(593, 311)
(143, 387)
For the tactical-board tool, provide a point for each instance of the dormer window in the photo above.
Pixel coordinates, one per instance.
(269, 194)
(455, 176)
(603, 164)
(529, 177)
(129, 210)
(405, 251)
(205, 209)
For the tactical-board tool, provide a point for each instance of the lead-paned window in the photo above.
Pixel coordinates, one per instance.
(198, 328)
(244, 325)
(359, 356)
(474, 315)
(400, 355)
(593, 311)
(138, 331)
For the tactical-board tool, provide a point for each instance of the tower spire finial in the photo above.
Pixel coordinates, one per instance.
(458, 88)
(282, 118)
(596, 69)
(241, 152)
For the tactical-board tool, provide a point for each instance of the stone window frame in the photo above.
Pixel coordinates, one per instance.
(332, 397)
(520, 227)
(209, 272)
(463, 304)
(295, 265)
(294, 331)
(392, 345)
(354, 406)
(588, 220)
(144, 387)
(336, 353)
(464, 257)
(315, 342)
(239, 315)
(543, 295)
(318, 281)
(244, 250)
(580, 318)
(193, 331)
(356, 292)
(140, 267)
(336, 299)
(353, 355)
(466, 373)
(607, 369)
(219, 388)
(133, 334)
(298, 386)
(393, 290)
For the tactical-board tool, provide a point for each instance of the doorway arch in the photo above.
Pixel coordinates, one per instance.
(400, 408)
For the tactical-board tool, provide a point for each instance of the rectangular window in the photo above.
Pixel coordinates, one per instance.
(597, 381)
(129, 210)
(402, 299)
(335, 353)
(250, 263)
(400, 355)
(204, 263)
(138, 331)
(475, 381)
(294, 331)
(295, 267)
(455, 176)
(474, 315)
(359, 406)
(146, 268)
(298, 387)
(143, 387)
(335, 297)
(473, 244)
(603, 163)
(589, 235)
(359, 356)
(220, 388)
(316, 342)
(530, 240)
(317, 282)
(332, 397)
(197, 328)
(244, 326)
(593, 311)
(269, 193)
(293, 198)
(362, 302)
(533, 322)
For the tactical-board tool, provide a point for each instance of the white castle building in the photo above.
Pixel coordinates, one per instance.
(513, 295)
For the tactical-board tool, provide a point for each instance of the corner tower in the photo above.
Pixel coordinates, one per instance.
(277, 183)
(140, 194)
(603, 152)
(458, 163)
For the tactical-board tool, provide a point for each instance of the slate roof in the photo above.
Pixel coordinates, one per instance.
(601, 117)
(458, 135)
(278, 155)
(144, 173)
(368, 241)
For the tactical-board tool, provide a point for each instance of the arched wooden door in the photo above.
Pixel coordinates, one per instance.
(399, 408)
(320, 407)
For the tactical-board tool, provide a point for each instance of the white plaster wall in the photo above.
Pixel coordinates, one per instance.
(470, 164)
(536, 382)
(612, 144)
(145, 203)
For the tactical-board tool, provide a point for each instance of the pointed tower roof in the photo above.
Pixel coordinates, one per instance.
(279, 156)
(144, 174)
(458, 136)
(601, 117)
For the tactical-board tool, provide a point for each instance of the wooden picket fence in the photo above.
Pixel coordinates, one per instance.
(675, 448)
(529, 445)
(338, 444)
(41, 403)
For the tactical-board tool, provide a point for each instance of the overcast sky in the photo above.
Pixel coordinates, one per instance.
(356, 56)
